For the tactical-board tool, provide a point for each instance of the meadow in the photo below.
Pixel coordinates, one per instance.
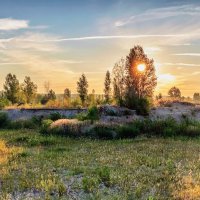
(35, 166)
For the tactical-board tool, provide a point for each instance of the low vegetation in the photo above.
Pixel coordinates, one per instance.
(37, 166)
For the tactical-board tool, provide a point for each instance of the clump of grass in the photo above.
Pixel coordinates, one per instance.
(104, 175)
(90, 184)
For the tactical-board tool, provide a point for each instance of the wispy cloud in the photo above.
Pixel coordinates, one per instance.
(182, 64)
(187, 54)
(105, 37)
(13, 63)
(161, 13)
(7, 24)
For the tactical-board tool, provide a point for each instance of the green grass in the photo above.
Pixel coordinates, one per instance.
(40, 167)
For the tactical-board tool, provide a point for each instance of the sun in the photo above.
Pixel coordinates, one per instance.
(141, 67)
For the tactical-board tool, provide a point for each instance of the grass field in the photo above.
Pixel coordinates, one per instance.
(33, 166)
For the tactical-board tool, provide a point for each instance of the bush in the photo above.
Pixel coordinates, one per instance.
(92, 114)
(22, 124)
(4, 102)
(4, 121)
(55, 116)
(169, 132)
(46, 123)
(103, 131)
(128, 131)
(192, 130)
(67, 127)
(37, 120)
(143, 107)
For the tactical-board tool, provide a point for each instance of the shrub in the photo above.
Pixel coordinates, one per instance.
(169, 132)
(37, 120)
(55, 116)
(82, 116)
(4, 102)
(128, 131)
(4, 121)
(143, 107)
(192, 130)
(22, 124)
(103, 131)
(46, 123)
(92, 114)
(68, 127)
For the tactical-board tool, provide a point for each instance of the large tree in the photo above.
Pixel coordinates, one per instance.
(29, 89)
(141, 81)
(119, 81)
(82, 88)
(12, 88)
(107, 87)
(174, 92)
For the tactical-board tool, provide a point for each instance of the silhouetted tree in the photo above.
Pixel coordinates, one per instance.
(67, 93)
(51, 95)
(47, 86)
(82, 88)
(174, 92)
(159, 96)
(107, 87)
(29, 89)
(196, 97)
(47, 97)
(12, 88)
(139, 84)
(119, 81)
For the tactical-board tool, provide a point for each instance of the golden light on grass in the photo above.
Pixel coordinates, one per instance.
(141, 67)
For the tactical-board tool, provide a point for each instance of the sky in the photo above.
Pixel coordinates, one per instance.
(58, 40)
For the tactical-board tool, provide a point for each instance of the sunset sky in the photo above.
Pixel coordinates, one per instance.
(57, 40)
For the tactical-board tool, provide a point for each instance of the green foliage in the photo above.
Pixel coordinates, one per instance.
(107, 87)
(169, 132)
(51, 96)
(37, 120)
(55, 116)
(4, 102)
(103, 131)
(82, 88)
(104, 175)
(89, 184)
(92, 114)
(29, 89)
(4, 120)
(46, 123)
(12, 88)
(22, 124)
(143, 107)
(128, 131)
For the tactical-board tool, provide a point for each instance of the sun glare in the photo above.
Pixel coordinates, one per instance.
(141, 67)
